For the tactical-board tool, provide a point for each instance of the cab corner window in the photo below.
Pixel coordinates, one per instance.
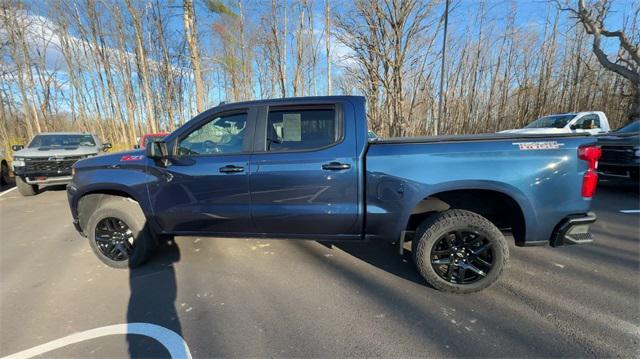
(297, 130)
(222, 135)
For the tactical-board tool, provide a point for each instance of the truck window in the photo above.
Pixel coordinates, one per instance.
(295, 130)
(224, 134)
(585, 124)
(62, 140)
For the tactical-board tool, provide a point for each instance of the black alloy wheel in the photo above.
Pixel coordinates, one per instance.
(462, 257)
(114, 238)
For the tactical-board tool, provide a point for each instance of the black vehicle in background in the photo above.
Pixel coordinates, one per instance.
(621, 152)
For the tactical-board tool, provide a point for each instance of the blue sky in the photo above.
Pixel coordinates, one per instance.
(464, 14)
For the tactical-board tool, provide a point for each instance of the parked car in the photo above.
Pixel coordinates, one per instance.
(621, 152)
(593, 122)
(303, 168)
(4, 169)
(145, 139)
(49, 157)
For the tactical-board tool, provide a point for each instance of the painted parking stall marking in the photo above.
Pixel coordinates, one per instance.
(7, 191)
(175, 345)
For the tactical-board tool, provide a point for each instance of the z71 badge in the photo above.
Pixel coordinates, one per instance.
(126, 158)
(543, 145)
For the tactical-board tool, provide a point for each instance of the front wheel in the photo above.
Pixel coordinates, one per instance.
(118, 233)
(459, 251)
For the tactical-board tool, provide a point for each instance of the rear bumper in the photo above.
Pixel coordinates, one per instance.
(573, 229)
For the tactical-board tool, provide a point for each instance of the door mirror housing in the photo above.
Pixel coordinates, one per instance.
(106, 146)
(17, 147)
(157, 150)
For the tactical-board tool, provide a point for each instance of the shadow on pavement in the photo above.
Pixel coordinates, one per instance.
(383, 255)
(152, 300)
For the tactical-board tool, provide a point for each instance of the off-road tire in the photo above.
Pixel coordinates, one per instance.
(436, 226)
(26, 189)
(4, 173)
(129, 212)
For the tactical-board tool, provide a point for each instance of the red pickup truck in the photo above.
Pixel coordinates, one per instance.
(145, 139)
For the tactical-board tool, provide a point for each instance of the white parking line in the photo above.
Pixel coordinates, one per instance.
(630, 211)
(7, 191)
(176, 346)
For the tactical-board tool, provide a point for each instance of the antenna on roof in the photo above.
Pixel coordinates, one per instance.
(222, 103)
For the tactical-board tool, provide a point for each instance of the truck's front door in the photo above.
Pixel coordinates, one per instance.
(205, 189)
(587, 123)
(304, 179)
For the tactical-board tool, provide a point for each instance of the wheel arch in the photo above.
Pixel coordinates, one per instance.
(87, 202)
(506, 209)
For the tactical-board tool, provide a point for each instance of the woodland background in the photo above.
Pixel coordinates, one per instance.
(122, 68)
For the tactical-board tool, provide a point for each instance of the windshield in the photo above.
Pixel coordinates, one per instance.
(632, 127)
(62, 141)
(555, 121)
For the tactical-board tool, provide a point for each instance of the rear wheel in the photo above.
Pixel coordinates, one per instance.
(459, 251)
(118, 233)
(26, 189)
(4, 174)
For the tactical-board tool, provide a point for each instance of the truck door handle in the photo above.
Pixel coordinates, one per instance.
(335, 166)
(231, 169)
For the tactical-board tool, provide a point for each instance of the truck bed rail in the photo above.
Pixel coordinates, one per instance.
(478, 137)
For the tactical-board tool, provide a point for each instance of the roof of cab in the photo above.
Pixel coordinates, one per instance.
(308, 99)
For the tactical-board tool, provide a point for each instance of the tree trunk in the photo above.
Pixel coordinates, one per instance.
(192, 41)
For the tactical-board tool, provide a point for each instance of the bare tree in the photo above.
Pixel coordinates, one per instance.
(627, 62)
(327, 42)
(192, 39)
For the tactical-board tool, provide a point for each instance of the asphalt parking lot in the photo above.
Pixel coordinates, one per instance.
(261, 298)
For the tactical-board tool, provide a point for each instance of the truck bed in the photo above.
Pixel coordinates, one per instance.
(541, 172)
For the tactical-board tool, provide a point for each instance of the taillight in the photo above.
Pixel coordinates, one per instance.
(591, 154)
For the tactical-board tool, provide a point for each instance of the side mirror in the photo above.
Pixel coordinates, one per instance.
(157, 150)
(17, 147)
(276, 140)
(106, 146)
(573, 127)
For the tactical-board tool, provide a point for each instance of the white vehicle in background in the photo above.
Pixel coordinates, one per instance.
(594, 122)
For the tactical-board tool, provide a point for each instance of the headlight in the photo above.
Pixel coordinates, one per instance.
(18, 162)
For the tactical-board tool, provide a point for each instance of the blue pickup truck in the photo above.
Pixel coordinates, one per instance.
(305, 168)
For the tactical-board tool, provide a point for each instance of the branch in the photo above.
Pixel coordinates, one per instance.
(594, 27)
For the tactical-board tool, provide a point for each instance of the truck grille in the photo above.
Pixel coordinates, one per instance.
(50, 165)
(617, 154)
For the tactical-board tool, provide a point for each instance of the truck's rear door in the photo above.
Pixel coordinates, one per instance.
(304, 171)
